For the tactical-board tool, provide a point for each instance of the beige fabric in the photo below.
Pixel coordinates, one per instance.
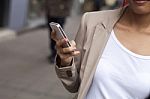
(91, 39)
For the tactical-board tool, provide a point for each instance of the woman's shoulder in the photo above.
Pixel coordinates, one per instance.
(103, 13)
(99, 16)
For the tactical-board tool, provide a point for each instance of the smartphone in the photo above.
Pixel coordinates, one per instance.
(59, 32)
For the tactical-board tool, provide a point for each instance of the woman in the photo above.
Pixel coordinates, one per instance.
(110, 56)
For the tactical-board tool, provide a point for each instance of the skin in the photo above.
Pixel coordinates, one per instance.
(133, 29)
(66, 54)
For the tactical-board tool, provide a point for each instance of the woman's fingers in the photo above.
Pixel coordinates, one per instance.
(75, 53)
(68, 55)
(73, 43)
(53, 35)
(68, 50)
(60, 43)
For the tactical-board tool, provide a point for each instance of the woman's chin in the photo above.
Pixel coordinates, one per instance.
(140, 6)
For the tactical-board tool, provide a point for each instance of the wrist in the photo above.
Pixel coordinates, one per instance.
(61, 63)
(64, 64)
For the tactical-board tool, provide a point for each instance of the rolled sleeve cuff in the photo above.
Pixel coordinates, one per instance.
(65, 72)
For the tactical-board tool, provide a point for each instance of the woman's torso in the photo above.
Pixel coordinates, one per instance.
(120, 74)
(136, 41)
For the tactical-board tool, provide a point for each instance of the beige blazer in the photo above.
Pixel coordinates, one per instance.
(91, 39)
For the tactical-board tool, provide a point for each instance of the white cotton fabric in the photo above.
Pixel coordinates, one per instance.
(120, 74)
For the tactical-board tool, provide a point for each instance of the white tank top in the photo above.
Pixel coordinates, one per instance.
(120, 74)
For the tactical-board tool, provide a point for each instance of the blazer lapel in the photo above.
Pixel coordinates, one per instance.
(100, 38)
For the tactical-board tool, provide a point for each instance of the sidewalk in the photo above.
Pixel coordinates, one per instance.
(24, 70)
(7, 34)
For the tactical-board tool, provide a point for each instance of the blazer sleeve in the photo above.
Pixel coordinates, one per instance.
(69, 75)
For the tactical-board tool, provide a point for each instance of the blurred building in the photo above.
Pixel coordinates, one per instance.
(13, 13)
(18, 14)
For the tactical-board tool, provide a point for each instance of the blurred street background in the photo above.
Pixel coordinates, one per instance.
(25, 72)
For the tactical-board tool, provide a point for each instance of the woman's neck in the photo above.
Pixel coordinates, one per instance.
(138, 21)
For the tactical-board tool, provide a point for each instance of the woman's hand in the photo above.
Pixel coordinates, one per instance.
(66, 54)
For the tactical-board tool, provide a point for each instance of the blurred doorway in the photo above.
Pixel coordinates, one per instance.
(4, 7)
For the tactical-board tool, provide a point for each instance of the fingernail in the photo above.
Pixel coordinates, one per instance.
(76, 49)
(66, 40)
(76, 52)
